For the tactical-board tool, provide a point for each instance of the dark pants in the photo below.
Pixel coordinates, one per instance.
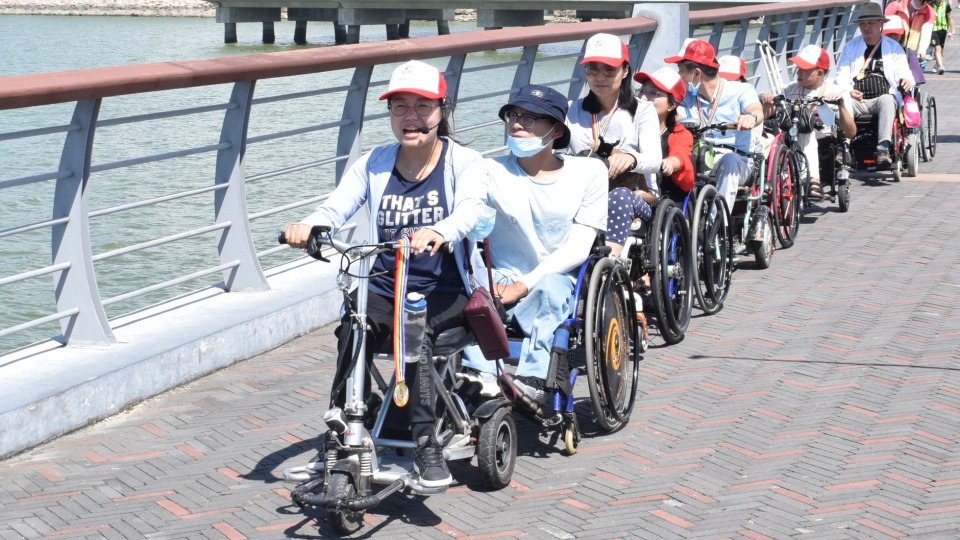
(444, 311)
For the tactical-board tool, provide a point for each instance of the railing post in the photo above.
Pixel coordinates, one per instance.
(740, 40)
(452, 75)
(76, 287)
(673, 26)
(230, 204)
(349, 140)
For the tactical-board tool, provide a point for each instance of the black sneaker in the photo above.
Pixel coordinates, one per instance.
(428, 462)
(883, 157)
(530, 386)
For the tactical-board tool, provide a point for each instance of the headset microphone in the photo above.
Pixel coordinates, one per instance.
(424, 129)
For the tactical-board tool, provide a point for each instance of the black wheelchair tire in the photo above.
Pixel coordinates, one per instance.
(786, 197)
(497, 449)
(713, 252)
(672, 280)
(612, 348)
(931, 126)
(843, 196)
(913, 155)
(763, 253)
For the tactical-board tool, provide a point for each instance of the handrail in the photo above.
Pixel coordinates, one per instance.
(69, 86)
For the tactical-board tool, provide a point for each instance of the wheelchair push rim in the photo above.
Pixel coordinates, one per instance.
(613, 354)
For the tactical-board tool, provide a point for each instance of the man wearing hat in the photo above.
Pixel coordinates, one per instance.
(549, 209)
(874, 66)
(713, 100)
(813, 64)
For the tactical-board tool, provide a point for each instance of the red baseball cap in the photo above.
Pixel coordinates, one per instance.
(731, 67)
(605, 49)
(666, 79)
(417, 78)
(812, 56)
(695, 50)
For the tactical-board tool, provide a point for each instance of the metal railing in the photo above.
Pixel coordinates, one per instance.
(174, 177)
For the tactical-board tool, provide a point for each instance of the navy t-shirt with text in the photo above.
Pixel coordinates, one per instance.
(405, 207)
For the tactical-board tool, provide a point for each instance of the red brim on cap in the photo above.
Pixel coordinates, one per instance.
(673, 59)
(606, 60)
(418, 91)
(801, 63)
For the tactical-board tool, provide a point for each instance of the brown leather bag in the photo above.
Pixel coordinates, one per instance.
(483, 314)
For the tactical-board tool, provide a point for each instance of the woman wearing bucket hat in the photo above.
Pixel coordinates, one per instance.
(428, 188)
(877, 65)
(550, 208)
(611, 123)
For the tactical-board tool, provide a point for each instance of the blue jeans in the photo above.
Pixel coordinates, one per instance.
(539, 313)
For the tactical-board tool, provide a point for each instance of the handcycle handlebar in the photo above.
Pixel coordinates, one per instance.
(697, 130)
(812, 100)
(320, 236)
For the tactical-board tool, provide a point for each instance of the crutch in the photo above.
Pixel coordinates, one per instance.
(771, 66)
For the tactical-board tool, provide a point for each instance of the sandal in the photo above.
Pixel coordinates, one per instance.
(816, 190)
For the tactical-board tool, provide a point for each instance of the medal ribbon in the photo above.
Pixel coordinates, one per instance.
(602, 127)
(713, 105)
(399, 321)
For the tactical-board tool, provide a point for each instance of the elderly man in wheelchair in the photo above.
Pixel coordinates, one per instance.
(550, 211)
(876, 69)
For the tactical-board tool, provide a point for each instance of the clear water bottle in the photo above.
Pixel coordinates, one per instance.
(415, 309)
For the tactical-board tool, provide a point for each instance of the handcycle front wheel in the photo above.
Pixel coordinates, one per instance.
(785, 196)
(612, 348)
(345, 521)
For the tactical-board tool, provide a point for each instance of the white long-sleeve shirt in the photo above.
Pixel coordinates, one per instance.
(851, 61)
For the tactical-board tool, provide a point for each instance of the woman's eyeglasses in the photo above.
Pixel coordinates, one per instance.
(423, 108)
(526, 121)
(594, 68)
(651, 93)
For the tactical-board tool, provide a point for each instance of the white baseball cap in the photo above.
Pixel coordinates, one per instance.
(605, 49)
(731, 67)
(811, 57)
(417, 78)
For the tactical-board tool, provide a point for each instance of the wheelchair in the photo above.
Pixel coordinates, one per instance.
(928, 125)
(599, 339)
(362, 448)
(905, 151)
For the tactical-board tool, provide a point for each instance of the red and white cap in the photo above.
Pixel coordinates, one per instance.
(731, 67)
(605, 49)
(417, 78)
(811, 57)
(666, 79)
(893, 26)
(695, 50)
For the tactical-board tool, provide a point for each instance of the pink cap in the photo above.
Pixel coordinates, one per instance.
(605, 49)
(666, 79)
(695, 50)
(417, 78)
(812, 56)
(732, 67)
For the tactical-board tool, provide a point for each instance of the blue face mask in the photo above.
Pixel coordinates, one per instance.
(525, 146)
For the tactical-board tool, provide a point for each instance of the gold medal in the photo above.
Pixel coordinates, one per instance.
(401, 394)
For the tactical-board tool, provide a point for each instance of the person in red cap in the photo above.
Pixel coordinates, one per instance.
(665, 90)
(918, 19)
(713, 100)
(732, 68)
(427, 188)
(893, 28)
(875, 67)
(813, 64)
(609, 122)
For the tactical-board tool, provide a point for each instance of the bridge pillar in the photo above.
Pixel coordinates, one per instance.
(500, 18)
(231, 16)
(673, 27)
(589, 15)
(269, 34)
(302, 15)
(355, 18)
(442, 16)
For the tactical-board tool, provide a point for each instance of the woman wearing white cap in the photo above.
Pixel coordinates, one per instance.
(430, 189)
(610, 121)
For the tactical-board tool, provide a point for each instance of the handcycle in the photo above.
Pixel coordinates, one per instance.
(357, 455)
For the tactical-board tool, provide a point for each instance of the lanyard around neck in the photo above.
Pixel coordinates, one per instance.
(600, 128)
(713, 105)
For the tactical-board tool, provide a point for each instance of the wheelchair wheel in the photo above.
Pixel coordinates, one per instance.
(930, 126)
(497, 449)
(713, 250)
(786, 196)
(843, 196)
(612, 348)
(673, 272)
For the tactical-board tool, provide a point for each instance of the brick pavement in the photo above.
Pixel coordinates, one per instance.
(822, 402)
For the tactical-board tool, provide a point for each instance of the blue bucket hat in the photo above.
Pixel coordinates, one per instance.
(546, 102)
